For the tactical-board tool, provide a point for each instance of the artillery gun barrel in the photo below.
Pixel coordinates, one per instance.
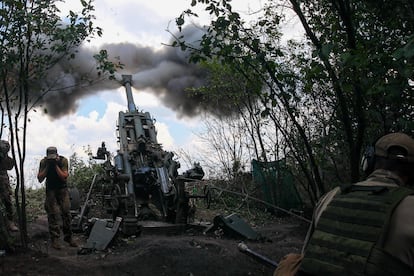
(127, 81)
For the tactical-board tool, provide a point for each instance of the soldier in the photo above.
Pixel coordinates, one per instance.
(55, 169)
(6, 163)
(366, 228)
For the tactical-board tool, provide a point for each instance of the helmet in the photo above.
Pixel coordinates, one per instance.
(398, 146)
(51, 152)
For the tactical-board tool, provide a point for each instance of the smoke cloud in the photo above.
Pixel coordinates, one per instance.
(165, 72)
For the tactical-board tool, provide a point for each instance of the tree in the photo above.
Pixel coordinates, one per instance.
(345, 82)
(81, 173)
(224, 145)
(33, 39)
(231, 89)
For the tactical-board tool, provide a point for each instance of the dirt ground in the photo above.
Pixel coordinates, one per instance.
(189, 252)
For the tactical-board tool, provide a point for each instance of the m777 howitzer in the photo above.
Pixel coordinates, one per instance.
(142, 182)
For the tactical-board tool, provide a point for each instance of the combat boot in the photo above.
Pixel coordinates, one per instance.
(56, 244)
(71, 241)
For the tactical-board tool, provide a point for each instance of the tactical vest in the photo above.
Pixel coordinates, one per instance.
(350, 235)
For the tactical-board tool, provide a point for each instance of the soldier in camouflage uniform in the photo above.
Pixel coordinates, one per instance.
(54, 169)
(6, 163)
(366, 228)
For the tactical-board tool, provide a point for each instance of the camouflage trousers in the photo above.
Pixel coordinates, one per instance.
(5, 195)
(57, 207)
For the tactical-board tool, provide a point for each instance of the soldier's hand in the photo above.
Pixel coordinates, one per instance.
(51, 162)
(59, 162)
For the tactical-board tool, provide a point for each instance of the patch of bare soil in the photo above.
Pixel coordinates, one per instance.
(187, 253)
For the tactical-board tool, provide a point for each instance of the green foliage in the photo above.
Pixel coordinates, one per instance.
(348, 80)
(229, 198)
(34, 37)
(81, 172)
(106, 66)
(228, 86)
(35, 203)
(39, 34)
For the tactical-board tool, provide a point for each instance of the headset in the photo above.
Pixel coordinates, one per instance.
(368, 159)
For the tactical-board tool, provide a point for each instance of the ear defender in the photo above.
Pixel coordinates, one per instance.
(368, 160)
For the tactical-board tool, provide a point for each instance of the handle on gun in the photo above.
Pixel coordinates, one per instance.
(264, 260)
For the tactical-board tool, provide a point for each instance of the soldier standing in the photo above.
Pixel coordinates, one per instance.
(6, 163)
(54, 169)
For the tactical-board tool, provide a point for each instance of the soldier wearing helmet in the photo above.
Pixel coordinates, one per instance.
(6, 163)
(366, 228)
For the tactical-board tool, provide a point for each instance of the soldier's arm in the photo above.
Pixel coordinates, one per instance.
(8, 162)
(62, 168)
(41, 175)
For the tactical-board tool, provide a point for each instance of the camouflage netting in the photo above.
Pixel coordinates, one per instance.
(277, 184)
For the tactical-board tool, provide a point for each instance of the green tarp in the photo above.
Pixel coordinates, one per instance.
(277, 184)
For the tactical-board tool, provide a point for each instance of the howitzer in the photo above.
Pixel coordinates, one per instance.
(142, 182)
(79, 220)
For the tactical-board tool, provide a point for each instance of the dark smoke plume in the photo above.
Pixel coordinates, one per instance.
(164, 72)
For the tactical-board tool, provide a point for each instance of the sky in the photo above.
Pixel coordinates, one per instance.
(134, 30)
